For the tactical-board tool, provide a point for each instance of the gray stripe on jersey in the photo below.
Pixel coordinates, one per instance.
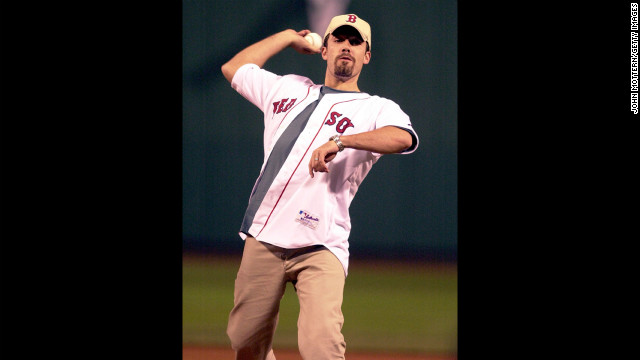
(278, 155)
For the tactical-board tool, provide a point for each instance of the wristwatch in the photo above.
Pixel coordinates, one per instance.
(336, 139)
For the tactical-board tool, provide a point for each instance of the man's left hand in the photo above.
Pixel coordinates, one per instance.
(321, 156)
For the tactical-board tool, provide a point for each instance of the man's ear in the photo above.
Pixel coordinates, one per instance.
(324, 53)
(367, 57)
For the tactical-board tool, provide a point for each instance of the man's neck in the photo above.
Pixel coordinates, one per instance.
(333, 82)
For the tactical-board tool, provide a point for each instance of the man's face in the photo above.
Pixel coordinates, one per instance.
(345, 53)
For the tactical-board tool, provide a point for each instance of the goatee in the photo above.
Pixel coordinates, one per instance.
(343, 70)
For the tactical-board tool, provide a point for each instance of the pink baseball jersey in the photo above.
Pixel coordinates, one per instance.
(299, 210)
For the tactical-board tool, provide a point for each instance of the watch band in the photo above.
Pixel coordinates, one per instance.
(336, 139)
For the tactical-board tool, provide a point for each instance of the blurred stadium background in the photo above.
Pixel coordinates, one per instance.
(406, 210)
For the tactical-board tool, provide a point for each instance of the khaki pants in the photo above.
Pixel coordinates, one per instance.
(318, 278)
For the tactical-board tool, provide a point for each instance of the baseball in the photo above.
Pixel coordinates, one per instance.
(315, 40)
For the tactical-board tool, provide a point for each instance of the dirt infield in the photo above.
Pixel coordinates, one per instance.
(211, 353)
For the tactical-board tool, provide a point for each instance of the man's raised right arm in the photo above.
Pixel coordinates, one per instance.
(263, 50)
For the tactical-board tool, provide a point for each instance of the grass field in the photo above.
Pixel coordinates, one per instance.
(388, 306)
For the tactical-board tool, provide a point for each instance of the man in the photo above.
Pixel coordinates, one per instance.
(320, 141)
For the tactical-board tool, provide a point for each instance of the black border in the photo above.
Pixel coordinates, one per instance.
(92, 180)
(543, 127)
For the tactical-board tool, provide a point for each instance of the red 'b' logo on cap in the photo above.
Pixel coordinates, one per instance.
(352, 19)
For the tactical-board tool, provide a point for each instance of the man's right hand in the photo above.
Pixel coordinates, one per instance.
(301, 45)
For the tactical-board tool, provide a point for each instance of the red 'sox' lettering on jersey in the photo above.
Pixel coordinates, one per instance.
(343, 124)
(332, 121)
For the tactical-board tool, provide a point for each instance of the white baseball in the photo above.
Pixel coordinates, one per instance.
(315, 40)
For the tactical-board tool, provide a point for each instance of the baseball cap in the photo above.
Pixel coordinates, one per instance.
(351, 20)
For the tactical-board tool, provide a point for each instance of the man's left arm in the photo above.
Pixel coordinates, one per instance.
(385, 140)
